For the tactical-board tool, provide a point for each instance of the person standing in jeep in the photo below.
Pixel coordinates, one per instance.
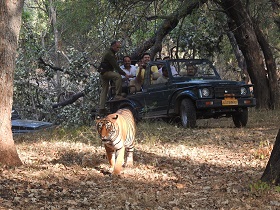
(108, 65)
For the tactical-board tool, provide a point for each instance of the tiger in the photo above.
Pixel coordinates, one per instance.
(117, 132)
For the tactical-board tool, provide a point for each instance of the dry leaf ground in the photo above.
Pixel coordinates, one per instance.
(215, 166)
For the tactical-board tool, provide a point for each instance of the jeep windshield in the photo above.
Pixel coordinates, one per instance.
(193, 69)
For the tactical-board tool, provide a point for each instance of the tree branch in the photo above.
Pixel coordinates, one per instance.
(41, 61)
(71, 100)
(166, 27)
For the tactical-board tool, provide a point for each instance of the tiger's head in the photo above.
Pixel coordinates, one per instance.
(107, 127)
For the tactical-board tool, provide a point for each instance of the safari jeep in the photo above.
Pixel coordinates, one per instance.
(194, 90)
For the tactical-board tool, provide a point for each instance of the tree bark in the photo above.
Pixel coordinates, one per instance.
(271, 69)
(248, 43)
(52, 17)
(10, 22)
(271, 173)
(239, 57)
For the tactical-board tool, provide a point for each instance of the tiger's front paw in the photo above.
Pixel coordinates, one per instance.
(128, 164)
(129, 161)
(116, 174)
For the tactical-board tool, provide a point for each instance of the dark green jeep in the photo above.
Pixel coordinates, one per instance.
(193, 90)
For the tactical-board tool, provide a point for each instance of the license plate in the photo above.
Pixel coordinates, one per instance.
(229, 102)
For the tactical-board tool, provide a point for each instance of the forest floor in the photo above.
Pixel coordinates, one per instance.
(214, 166)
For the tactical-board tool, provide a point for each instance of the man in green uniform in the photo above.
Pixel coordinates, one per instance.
(109, 64)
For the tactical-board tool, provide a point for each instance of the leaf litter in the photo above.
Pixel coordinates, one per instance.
(210, 167)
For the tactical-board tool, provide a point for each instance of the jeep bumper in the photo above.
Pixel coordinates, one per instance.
(224, 104)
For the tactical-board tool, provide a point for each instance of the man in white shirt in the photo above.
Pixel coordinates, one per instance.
(129, 69)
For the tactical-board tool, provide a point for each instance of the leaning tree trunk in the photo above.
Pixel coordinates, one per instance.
(248, 44)
(271, 69)
(271, 173)
(10, 21)
(239, 57)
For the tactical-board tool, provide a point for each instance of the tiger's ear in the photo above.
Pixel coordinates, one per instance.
(116, 117)
(98, 117)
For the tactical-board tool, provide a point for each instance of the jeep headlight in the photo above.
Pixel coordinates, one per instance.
(205, 92)
(243, 91)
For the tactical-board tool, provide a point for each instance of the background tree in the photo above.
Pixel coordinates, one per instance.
(181, 29)
(10, 21)
(271, 173)
(253, 46)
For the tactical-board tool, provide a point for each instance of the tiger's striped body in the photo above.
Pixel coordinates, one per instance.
(117, 132)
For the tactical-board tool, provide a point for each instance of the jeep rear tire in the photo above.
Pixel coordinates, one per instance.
(124, 105)
(240, 118)
(188, 113)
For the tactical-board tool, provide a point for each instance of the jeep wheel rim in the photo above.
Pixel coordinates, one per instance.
(184, 117)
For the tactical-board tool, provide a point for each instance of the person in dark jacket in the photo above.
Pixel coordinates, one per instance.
(110, 64)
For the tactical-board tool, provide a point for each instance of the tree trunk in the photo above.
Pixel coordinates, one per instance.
(52, 17)
(10, 21)
(271, 69)
(271, 173)
(248, 44)
(239, 57)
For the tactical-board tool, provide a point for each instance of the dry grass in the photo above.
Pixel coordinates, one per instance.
(215, 166)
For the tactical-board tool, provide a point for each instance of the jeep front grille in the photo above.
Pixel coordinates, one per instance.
(221, 91)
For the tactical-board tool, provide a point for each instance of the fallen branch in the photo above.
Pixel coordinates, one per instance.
(71, 100)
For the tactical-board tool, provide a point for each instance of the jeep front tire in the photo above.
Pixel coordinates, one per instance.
(187, 113)
(240, 118)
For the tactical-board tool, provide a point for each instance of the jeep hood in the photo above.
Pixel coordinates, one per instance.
(208, 82)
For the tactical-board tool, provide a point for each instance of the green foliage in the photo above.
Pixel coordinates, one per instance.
(36, 86)
(81, 134)
(150, 132)
(85, 21)
(200, 33)
(277, 189)
(263, 14)
(259, 187)
(160, 131)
